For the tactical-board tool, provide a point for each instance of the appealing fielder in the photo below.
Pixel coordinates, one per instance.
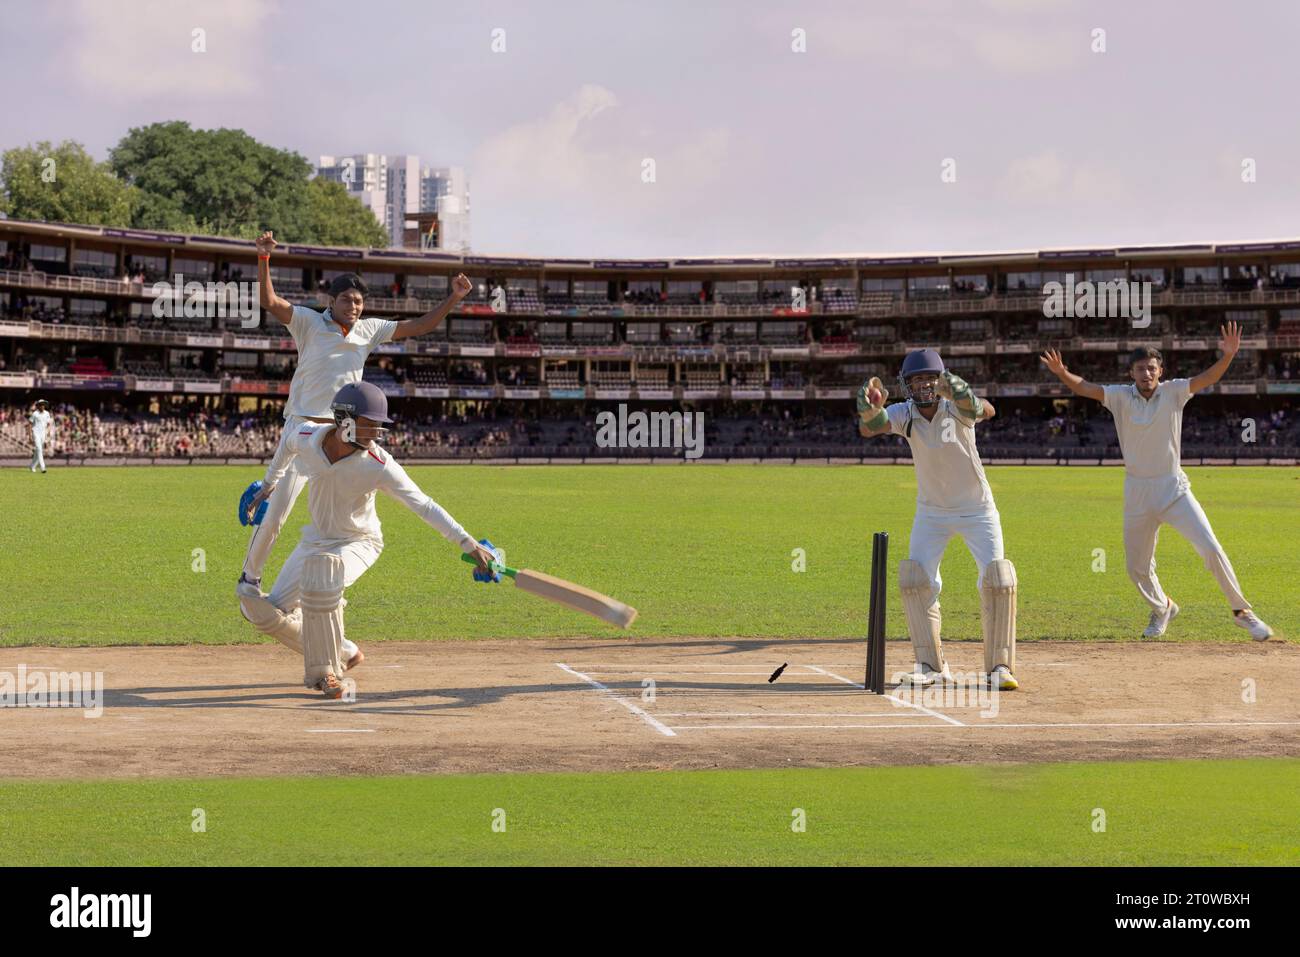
(1149, 421)
(344, 466)
(42, 431)
(952, 498)
(332, 350)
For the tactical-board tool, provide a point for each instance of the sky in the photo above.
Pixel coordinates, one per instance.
(798, 128)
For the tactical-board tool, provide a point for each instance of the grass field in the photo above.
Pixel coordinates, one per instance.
(107, 556)
(150, 556)
(1170, 813)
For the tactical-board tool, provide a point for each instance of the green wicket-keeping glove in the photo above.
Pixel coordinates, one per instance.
(872, 414)
(952, 386)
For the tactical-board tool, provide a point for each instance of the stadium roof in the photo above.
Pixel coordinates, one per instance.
(768, 261)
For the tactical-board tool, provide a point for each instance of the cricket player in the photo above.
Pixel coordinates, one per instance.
(344, 466)
(1149, 421)
(952, 498)
(42, 431)
(332, 350)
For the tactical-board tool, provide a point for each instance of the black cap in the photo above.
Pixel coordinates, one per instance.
(349, 280)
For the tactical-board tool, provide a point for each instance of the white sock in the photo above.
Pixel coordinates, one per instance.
(349, 649)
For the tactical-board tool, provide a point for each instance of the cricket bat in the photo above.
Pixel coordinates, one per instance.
(566, 593)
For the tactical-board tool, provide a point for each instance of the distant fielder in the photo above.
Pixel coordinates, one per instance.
(952, 498)
(332, 350)
(1149, 421)
(345, 467)
(42, 431)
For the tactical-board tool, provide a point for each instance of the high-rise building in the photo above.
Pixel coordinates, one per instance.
(365, 175)
(445, 190)
(397, 188)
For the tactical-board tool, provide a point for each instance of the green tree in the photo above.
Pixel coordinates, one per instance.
(339, 219)
(215, 181)
(63, 184)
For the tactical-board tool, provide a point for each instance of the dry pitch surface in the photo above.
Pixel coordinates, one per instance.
(584, 705)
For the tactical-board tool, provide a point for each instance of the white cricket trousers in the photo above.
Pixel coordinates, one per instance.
(1150, 503)
(289, 483)
(357, 555)
(38, 453)
(931, 532)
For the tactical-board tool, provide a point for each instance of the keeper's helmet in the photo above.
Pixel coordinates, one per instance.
(924, 366)
(360, 400)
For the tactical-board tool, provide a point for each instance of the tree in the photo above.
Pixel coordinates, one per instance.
(215, 181)
(63, 184)
(339, 219)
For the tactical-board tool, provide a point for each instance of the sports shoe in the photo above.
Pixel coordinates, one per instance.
(1003, 679)
(354, 660)
(1258, 630)
(1160, 620)
(330, 687)
(924, 676)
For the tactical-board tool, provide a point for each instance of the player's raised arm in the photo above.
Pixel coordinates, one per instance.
(870, 400)
(1229, 342)
(1075, 383)
(460, 288)
(282, 309)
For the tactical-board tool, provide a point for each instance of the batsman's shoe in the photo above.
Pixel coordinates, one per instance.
(355, 660)
(1160, 620)
(1258, 630)
(1003, 679)
(330, 687)
(925, 676)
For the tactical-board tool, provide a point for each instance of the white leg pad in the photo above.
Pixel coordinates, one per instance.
(269, 619)
(322, 617)
(921, 610)
(998, 613)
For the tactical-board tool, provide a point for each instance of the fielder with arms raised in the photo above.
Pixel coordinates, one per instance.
(332, 350)
(345, 467)
(1149, 421)
(952, 498)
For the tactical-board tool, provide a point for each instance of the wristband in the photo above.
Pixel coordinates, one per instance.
(876, 421)
(260, 256)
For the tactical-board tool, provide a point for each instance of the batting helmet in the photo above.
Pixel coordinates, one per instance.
(360, 400)
(920, 362)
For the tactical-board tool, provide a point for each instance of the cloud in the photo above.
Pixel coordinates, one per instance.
(145, 49)
(1047, 177)
(1029, 52)
(581, 162)
(940, 37)
(554, 152)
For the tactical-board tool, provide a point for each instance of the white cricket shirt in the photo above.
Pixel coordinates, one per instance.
(327, 359)
(41, 421)
(1150, 430)
(341, 495)
(949, 474)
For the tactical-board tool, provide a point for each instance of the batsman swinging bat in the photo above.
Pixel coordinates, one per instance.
(566, 593)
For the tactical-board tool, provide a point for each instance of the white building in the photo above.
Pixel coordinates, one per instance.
(445, 190)
(396, 187)
(365, 175)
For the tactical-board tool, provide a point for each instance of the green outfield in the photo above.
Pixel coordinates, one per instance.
(1171, 813)
(110, 555)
